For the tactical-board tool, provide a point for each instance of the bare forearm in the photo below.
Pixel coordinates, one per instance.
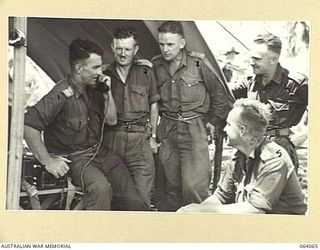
(212, 200)
(235, 208)
(110, 112)
(154, 112)
(56, 165)
(212, 207)
(36, 145)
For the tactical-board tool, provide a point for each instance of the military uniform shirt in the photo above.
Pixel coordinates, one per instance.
(134, 97)
(71, 120)
(266, 180)
(192, 89)
(286, 95)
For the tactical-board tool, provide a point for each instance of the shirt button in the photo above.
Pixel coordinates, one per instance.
(173, 81)
(189, 85)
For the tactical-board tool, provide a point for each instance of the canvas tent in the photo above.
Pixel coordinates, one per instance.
(48, 40)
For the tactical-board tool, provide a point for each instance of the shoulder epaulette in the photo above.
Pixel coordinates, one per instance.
(68, 92)
(156, 58)
(272, 150)
(197, 54)
(144, 62)
(298, 77)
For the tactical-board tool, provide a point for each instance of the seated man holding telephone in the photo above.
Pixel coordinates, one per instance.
(71, 117)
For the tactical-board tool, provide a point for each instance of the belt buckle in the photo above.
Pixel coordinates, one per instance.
(128, 127)
(180, 118)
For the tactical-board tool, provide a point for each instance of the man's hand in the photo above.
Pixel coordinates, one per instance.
(57, 166)
(211, 128)
(154, 145)
(193, 207)
(107, 81)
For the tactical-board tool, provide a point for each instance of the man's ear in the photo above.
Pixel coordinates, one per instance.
(112, 47)
(242, 130)
(182, 43)
(78, 68)
(136, 49)
(274, 60)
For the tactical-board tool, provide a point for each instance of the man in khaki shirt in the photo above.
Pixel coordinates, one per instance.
(261, 177)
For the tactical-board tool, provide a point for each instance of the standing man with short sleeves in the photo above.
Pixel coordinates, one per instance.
(134, 89)
(192, 100)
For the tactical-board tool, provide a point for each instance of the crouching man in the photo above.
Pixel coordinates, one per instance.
(261, 178)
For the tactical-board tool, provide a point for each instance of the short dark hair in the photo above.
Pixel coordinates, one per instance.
(272, 41)
(254, 114)
(80, 49)
(123, 32)
(173, 27)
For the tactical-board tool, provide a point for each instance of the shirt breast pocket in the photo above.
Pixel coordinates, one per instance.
(192, 89)
(139, 98)
(140, 90)
(75, 125)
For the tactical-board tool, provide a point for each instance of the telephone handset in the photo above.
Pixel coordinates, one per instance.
(102, 83)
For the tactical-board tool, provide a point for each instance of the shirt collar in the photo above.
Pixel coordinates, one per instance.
(240, 155)
(78, 91)
(112, 70)
(184, 58)
(253, 155)
(278, 74)
(277, 78)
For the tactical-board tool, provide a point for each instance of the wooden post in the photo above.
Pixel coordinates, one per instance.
(17, 121)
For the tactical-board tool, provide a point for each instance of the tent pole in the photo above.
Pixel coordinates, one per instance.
(17, 121)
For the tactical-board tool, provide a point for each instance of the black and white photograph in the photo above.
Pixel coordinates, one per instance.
(158, 116)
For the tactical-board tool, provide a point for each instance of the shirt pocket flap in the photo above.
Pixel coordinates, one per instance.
(77, 123)
(141, 90)
(191, 80)
(279, 106)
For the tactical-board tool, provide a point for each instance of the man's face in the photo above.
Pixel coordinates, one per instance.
(124, 50)
(171, 45)
(232, 127)
(90, 68)
(262, 59)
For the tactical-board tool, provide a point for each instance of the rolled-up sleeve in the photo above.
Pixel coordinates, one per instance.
(45, 111)
(225, 191)
(153, 94)
(219, 107)
(270, 182)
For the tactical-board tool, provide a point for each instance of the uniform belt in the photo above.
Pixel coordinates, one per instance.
(278, 132)
(129, 127)
(180, 118)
